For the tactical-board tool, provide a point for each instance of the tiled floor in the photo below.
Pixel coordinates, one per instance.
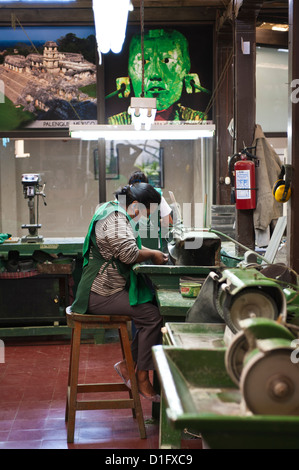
(33, 381)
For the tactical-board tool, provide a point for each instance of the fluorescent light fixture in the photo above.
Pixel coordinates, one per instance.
(110, 17)
(180, 131)
(143, 112)
(19, 149)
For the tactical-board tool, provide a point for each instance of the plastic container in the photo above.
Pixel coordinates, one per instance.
(189, 288)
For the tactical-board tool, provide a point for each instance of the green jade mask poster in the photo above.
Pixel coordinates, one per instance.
(175, 63)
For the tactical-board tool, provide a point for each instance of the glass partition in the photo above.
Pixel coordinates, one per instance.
(68, 170)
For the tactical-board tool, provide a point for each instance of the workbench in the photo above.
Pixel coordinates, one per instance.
(71, 246)
(166, 282)
(172, 305)
(33, 300)
(189, 336)
(199, 394)
(168, 276)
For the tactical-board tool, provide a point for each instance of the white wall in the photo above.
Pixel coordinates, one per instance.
(272, 89)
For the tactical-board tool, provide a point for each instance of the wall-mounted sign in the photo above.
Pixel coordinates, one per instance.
(47, 77)
(177, 70)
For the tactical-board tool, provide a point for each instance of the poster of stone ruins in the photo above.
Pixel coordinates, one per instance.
(47, 77)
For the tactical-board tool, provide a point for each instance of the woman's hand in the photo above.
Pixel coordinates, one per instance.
(158, 257)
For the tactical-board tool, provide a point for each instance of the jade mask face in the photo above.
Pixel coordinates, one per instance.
(166, 62)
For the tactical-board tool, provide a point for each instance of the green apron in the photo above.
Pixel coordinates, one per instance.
(4, 236)
(93, 262)
(148, 228)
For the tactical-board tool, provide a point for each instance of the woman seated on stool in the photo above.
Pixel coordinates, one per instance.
(109, 286)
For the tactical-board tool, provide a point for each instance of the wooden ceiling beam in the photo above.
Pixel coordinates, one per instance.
(80, 12)
(241, 9)
(51, 16)
(43, 5)
(180, 3)
(175, 15)
(48, 16)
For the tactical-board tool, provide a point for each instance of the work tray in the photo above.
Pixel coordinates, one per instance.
(200, 395)
(194, 335)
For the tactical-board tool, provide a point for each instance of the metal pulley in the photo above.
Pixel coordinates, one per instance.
(253, 329)
(234, 356)
(249, 303)
(258, 360)
(269, 381)
(246, 294)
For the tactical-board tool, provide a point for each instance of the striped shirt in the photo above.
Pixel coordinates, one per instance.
(115, 237)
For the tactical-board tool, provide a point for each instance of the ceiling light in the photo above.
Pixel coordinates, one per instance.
(161, 131)
(143, 112)
(110, 17)
(19, 149)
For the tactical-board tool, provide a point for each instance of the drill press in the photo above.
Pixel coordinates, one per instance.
(32, 188)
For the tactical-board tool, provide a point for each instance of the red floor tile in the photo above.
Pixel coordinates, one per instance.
(33, 383)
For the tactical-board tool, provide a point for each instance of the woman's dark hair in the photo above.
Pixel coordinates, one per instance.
(138, 177)
(141, 192)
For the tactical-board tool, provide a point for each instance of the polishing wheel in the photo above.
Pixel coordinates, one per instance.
(245, 340)
(249, 303)
(234, 356)
(270, 383)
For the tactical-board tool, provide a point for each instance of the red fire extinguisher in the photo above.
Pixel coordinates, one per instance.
(244, 177)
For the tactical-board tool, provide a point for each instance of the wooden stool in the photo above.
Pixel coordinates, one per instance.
(78, 322)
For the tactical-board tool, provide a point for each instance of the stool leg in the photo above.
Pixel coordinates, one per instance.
(125, 344)
(73, 382)
(124, 357)
(69, 376)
